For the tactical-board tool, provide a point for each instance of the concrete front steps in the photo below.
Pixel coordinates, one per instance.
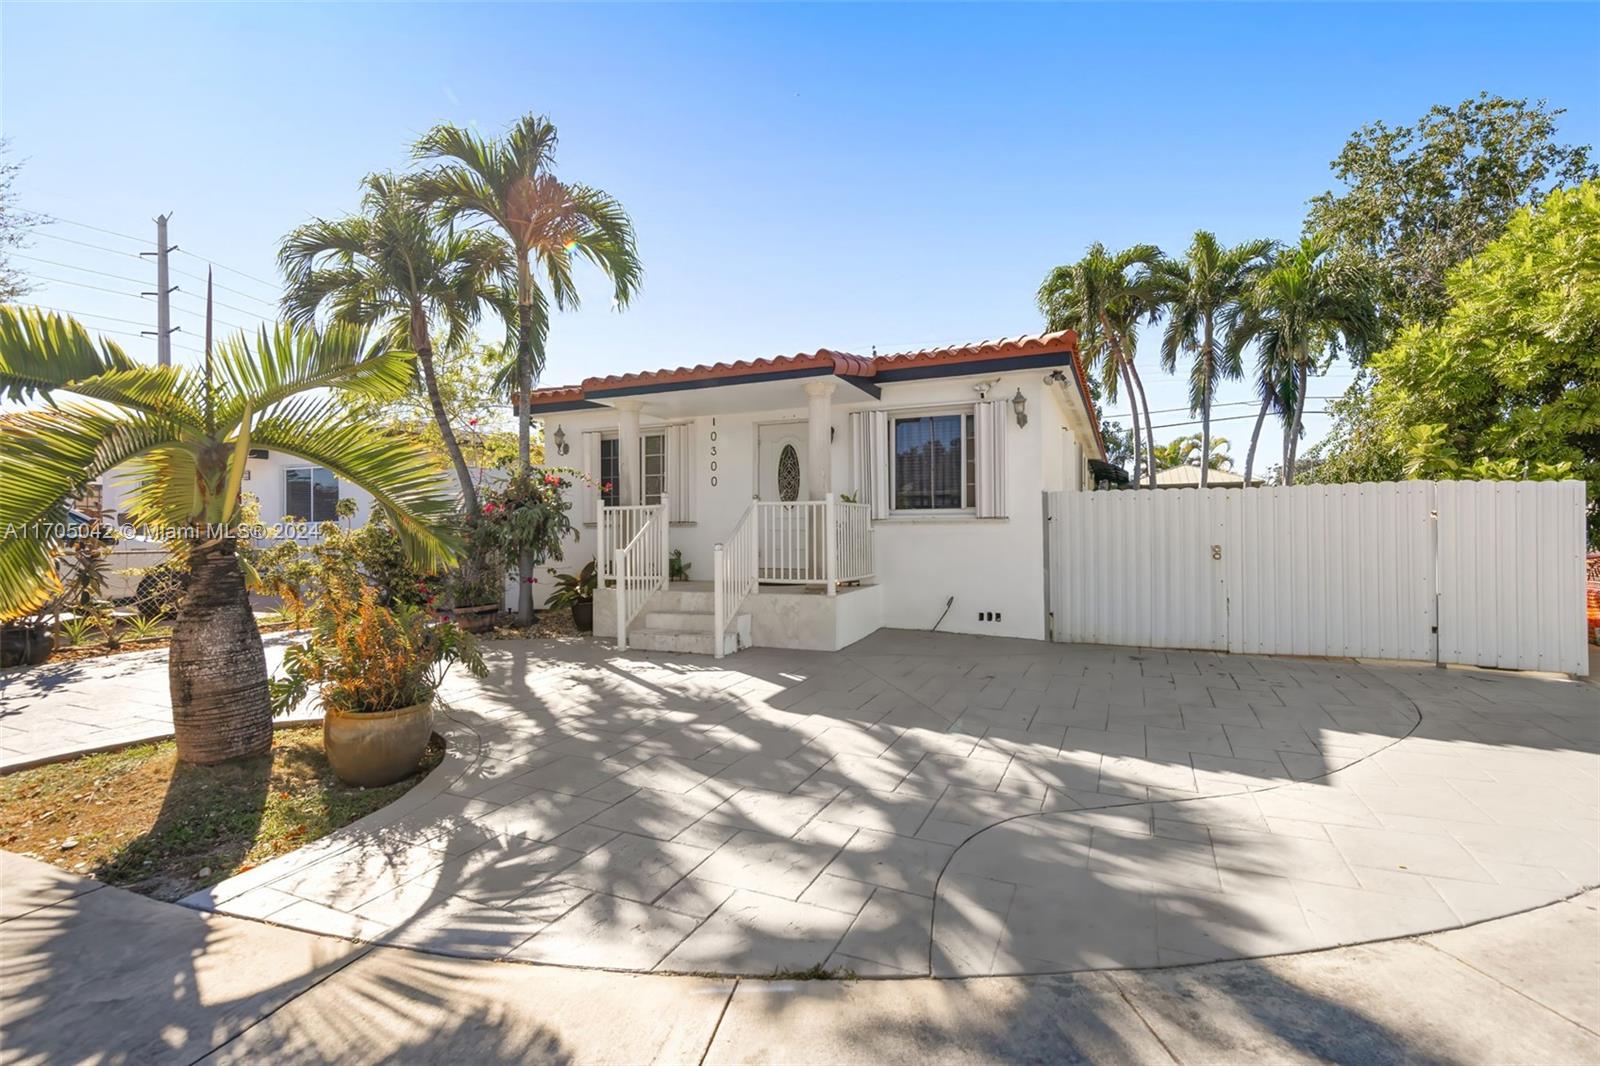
(681, 619)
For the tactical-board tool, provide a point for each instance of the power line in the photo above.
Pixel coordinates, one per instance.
(97, 229)
(86, 244)
(219, 303)
(1225, 418)
(86, 270)
(231, 270)
(139, 240)
(237, 292)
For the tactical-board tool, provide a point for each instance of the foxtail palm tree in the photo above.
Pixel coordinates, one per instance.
(393, 266)
(186, 436)
(1200, 295)
(506, 185)
(1103, 296)
(1305, 311)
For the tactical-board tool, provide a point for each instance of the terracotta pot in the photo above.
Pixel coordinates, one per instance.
(583, 615)
(373, 750)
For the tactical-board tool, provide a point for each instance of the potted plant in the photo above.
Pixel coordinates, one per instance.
(26, 641)
(577, 592)
(376, 669)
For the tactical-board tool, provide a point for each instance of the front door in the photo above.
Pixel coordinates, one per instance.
(781, 462)
(783, 547)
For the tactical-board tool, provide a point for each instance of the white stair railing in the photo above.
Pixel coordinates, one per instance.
(639, 568)
(733, 573)
(618, 526)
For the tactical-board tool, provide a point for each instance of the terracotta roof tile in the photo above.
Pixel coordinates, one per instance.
(841, 363)
(845, 364)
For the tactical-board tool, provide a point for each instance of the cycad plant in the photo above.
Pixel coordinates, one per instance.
(507, 187)
(1200, 295)
(394, 267)
(1309, 308)
(1103, 297)
(183, 437)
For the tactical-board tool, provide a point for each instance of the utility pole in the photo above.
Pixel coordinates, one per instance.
(163, 294)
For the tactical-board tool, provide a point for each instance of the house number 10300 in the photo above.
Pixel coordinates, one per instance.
(713, 453)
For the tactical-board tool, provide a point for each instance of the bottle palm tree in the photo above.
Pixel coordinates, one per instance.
(186, 436)
(393, 266)
(1200, 295)
(1103, 299)
(507, 185)
(1302, 313)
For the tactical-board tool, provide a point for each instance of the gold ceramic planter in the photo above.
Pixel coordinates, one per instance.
(372, 750)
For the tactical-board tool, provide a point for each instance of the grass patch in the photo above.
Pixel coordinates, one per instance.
(139, 819)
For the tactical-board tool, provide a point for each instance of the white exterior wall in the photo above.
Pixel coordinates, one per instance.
(988, 565)
(263, 480)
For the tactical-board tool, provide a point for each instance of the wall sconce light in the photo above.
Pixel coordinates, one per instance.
(1019, 404)
(560, 438)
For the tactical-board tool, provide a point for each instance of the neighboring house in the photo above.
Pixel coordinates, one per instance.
(1188, 477)
(284, 485)
(944, 455)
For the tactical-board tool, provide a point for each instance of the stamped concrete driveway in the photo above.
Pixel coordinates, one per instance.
(933, 804)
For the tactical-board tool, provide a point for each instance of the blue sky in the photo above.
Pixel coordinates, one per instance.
(800, 176)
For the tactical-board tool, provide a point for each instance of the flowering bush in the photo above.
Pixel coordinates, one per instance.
(366, 658)
(527, 515)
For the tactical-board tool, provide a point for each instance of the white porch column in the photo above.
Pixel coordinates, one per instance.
(819, 398)
(630, 485)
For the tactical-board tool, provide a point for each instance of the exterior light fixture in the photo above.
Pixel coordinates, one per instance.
(560, 437)
(1019, 404)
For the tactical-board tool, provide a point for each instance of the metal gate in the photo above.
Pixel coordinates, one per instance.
(1364, 570)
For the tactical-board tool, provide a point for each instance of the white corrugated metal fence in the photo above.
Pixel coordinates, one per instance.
(1362, 570)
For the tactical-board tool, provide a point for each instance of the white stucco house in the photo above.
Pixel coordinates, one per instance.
(284, 485)
(818, 497)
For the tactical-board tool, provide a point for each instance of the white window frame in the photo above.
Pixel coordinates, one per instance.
(312, 468)
(644, 477)
(969, 506)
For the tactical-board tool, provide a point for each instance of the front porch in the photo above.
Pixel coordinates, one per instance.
(681, 617)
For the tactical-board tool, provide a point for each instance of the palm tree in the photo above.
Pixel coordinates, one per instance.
(392, 266)
(507, 185)
(1102, 299)
(1200, 295)
(1303, 312)
(186, 436)
(1275, 385)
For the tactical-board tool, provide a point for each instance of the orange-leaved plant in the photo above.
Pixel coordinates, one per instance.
(365, 658)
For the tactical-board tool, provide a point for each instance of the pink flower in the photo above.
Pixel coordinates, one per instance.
(606, 487)
(472, 421)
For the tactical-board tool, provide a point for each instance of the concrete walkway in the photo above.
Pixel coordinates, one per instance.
(89, 973)
(957, 806)
(68, 708)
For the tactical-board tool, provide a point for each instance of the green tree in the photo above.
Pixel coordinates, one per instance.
(507, 186)
(1305, 311)
(1103, 297)
(1188, 451)
(14, 226)
(1200, 296)
(1419, 199)
(1508, 382)
(186, 435)
(393, 266)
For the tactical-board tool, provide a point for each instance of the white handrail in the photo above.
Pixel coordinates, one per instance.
(733, 573)
(615, 527)
(639, 569)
